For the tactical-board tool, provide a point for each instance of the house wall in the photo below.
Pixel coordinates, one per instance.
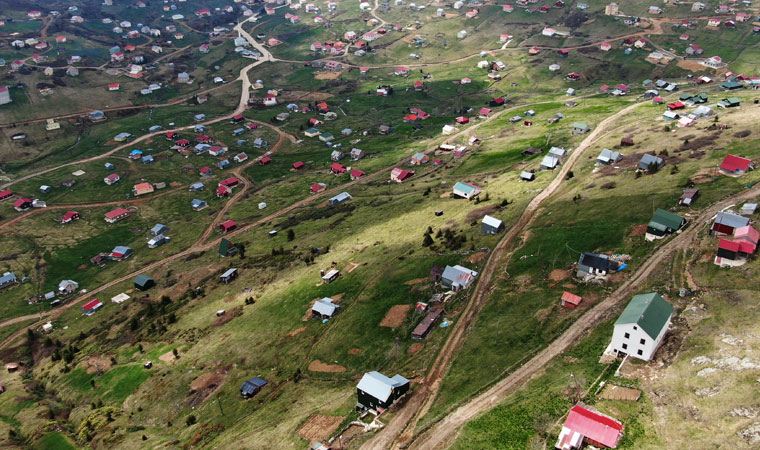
(633, 342)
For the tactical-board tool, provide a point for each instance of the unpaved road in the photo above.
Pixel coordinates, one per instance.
(422, 399)
(443, 433)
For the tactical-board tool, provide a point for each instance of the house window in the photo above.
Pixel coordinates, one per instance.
(625, 346)
(635, 327)
(627, 335)
(640, 352)
(643, 341)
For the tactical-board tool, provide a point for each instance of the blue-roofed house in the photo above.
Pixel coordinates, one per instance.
(466, 190)
(159, 228)
(340, 198)
(650, 162)
(252, 387)
(198, 204)
(8, 279)
(223, 164)
(259, 143)
(197, 186)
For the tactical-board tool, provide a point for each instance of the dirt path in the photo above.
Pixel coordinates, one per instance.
(444, 431)
(404, 422)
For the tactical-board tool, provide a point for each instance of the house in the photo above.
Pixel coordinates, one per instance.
(67, 286)
(735, 166)
(605, 46)
(466, 190)
(317, 187)
(457, 277)
(8, 279)
(144, 282)
(608, 156)
(158, 241)
(491, 225)
(527, 176)
(227, 225)
(749, 208)
(340, 198)
(662, 223)
(252, 387)
(731, 102)
(727, 222)
(484, 113)
(70, 216)
(356, 174)
(197, 204)
(570, 300)
(585, 425)
(324, 308)
(230, 182)
(6, 194)
(550, 162)
(595, 265)
(426, 325)
(240, 157)
(265, 160)
(142, 189)
(399, 175)
(330, 276)
(688, 197)
(580, 128)
(116, 215)
(641, 327)
(298, 165)
(337, 168)
(356, 154)
(197, 186)
(91, 307)
(378, 392)
(111, 179)
(735, 253)
(228, 275)
(650, 162)
(120, 253)
(419, 159)
(226, 248)
(448, 129)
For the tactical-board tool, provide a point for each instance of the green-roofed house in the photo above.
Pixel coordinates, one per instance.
(465, 190)
(580, 128)
(641, 327)
(144, 282)
(227, 248)
(663, 223)
(731, 102)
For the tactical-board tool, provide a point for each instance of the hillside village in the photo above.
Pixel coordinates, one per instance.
(301, 224)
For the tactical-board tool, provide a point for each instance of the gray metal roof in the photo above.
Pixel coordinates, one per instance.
(648, 159)
(229, 272)
(608, 155)
(458, 274)
(550, 161)
(492, 221)
(379, 386)
(730, 219)
(325, 307)
(8, 277)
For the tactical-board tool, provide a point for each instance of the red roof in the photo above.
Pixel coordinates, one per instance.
(116, 213)
(228, 225)
(92, 304)
(205, 169)
(113, 85)
(231, 182)
(462, 119)
(484, 111)
(238, 117)
(338, 168)
(748, 233)
(6, 193)
(356, 173)
(298, 165)
(222, 190)
(171, 134)
(317, 187)
(732, 246)
(21, 202)
(183, 142)
(733, 163)
(676, 105)
(265, 160)
(203, 137)
(498, 100)
(113, 177)
(70, 215)
(418, 83)
(594, 426)
(571, 298)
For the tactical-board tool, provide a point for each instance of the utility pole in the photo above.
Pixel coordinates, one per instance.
(219, 402)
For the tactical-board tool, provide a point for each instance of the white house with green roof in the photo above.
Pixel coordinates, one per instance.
(465, 190)
(641, 327)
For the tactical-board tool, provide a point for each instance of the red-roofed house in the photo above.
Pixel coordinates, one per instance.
(749, 237)
(265, 160)
(230, 182)
(116, 215)
(171, 135)
(586, 426)
(676, 106)
(203, 139)
(318, 187)
(337, 168)
(111, 179)
(223, 191)
(356, 174)
(22, 204)
(142, 189)
(484, 112)
(570, 300)
(298, 165)
(6, 194)
(92, 306)
(735, 165)
(70, 216)
(113, 87)
(205, 170)
(227, 225)
(399, 175)
(463, 120)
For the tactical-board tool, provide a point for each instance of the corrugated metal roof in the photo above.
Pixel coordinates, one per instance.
(649, 311)
(325, 307)
(731, 219)
(492, 221)
(594, 426)
(379, 386)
